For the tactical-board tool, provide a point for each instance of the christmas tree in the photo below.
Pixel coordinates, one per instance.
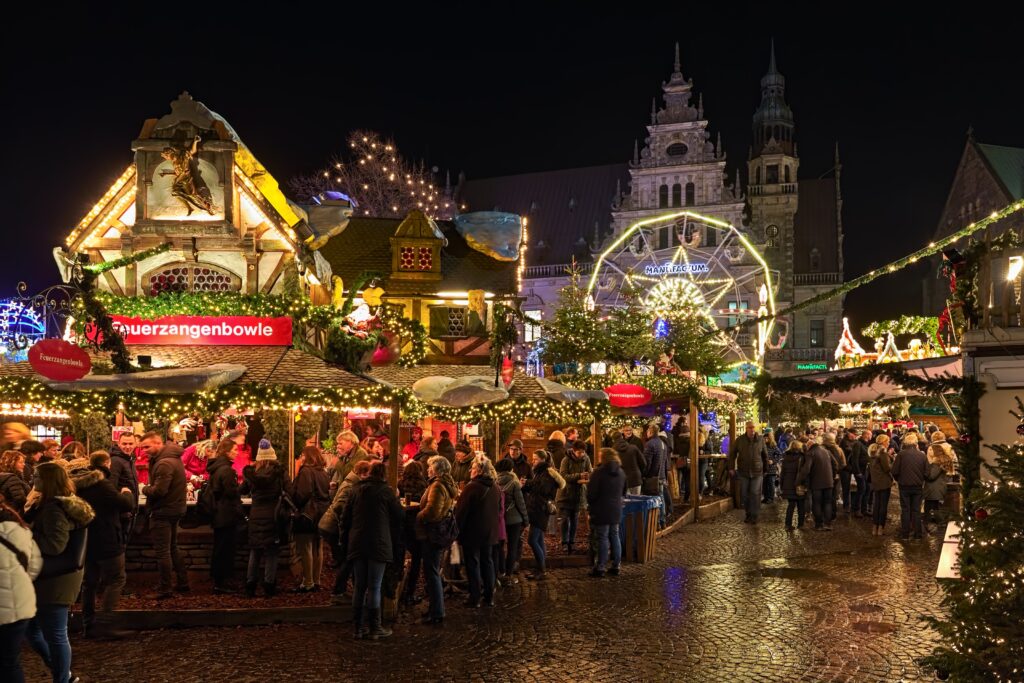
(983, 638)
(573, 333)
(630, 333)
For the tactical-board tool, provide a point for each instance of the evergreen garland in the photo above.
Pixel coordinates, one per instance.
(99, 268)
(105, 337)
(905, 324)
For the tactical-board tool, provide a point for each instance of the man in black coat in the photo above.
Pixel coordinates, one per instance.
(908, 470)
(104, 553)
(166, 500)
(630, 437)
(632, 460)
(476, 513)
(445, 447)
(747, 460)
(604, 499)
(857, 463)
(123, 474)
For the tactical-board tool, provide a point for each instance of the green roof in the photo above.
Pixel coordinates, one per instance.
(1008, 165)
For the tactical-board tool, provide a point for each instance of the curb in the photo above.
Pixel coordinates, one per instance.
(704, 512)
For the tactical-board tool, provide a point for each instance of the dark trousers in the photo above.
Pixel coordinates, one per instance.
(570, 520)
(164, 533)
(683, 477)
(750, 494)
(930, 506)
(768, 488)
(432, 555)
(880, 506)
(105, 575)
(271, 554)
(800, 505)
(369, 576)
(844, 483)
(480, 569)
(822, 503)
(666, 495)
(412, 578)
(508, 561)
(222, 561)
(861, 496)
(11, 636)
(910, 511)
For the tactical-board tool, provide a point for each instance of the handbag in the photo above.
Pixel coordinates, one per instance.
(551, 507)
(443, 532)
(70, 560)
(651, 486)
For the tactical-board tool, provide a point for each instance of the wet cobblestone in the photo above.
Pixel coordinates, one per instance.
(722, 601)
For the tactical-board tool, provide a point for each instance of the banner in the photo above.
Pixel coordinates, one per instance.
(185, 330)
(627, 395)
(59, 360)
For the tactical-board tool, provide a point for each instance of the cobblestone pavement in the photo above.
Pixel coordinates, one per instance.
(723, 601)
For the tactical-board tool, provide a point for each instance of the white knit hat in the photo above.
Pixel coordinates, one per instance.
(266, 451)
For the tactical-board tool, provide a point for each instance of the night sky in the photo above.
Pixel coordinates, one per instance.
(502, 89)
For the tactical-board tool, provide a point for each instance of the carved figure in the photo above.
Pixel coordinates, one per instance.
(188, 186)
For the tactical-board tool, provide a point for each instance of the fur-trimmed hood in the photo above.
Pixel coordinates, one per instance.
(77, 510)
(83, 479)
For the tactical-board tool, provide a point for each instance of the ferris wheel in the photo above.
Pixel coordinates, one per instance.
(684, 261)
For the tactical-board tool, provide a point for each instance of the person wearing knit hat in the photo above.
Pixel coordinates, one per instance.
(266, 451)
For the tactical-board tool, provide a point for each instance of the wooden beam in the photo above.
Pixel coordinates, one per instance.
(291, 442)
(497, 439)
(396, 422)
(694, 459)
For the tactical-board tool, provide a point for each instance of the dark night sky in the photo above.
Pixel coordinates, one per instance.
(504, 89)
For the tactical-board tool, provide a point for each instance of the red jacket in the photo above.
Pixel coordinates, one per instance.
(194, 465)
(243, 459)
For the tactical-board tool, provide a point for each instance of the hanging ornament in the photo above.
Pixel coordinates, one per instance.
(387, 352)
(981, 514)
(508, 369)
(1020, 429)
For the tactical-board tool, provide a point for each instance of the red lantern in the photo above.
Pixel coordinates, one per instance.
(508, 369)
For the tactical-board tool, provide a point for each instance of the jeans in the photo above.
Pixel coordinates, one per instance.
(479, 565)
(536, 543)
(910, 510)
(860, 497)
(222, 561)
(702, 474)
(107, 575)
(844, 482)
(164, 532)
(11, 636)
(369, 575)
(307, 547)
(608, 539)
(750, 494)
(271, 553)
(432, 570)
(801, 511)
(48, 636)
(570, 520)
(823, 502)
(768, 489)
(666, 495)
(508, 561)
(880, 506)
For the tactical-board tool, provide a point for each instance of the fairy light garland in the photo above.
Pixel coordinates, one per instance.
(99, 268)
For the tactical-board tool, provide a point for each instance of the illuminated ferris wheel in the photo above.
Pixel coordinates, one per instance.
(683, 261)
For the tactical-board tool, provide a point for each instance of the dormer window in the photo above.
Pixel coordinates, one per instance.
(416, 248)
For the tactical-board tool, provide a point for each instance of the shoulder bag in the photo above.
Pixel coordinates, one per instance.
(443, 532)
(70, 560)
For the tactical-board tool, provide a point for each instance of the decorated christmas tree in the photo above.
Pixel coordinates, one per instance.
(573, 334)
(983, 637)
(630, 331)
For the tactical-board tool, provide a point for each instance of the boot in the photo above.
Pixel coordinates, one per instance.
(250, 589)
(104, 629)
(377, 630)
(361, 630)
(269, 589)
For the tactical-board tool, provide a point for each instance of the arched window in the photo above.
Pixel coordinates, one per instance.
(690, 195)
(663, 197)
(190, 277)
(677, 195)
(757, 176)
(786, 173)
(815, 260)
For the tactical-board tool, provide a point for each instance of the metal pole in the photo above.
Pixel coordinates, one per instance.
(694, 459)
(396, 422)
(291, 442)
(733, 487)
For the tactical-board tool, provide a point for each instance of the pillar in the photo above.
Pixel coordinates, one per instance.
(396, 422)
(291, 442)
(694, 459)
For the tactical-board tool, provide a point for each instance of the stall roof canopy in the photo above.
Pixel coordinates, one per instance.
(269, 365)
(523, 386)
(882, 388)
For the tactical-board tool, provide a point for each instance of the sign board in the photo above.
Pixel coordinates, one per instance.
(812, 366)
(677, 268)
(714, 381)
(627, 395)
(187, 330)
(116, 432)
(59, 360)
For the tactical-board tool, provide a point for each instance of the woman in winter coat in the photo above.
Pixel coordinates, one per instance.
(311, 493)
(880, 473)
(605, 500)
(575, 469)
(264, 481)
(463, 463)
(59, 518)
(789, 479)
(411, 487)
(196, 457)
(435, 505)
(13, 485)
(941, 466)
(426, 451)
(330, 529)
(828, 442)
(370, 528)
(20, 563)
(477, 514)
(540, 491)
(227, 513)
(556, 447)
(515, 517)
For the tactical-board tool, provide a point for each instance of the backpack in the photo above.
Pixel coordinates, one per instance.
(206, 503)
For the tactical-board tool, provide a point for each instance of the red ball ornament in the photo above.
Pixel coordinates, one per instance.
(1020, 429)
(965, 438)
(387, 353)
(981, 514)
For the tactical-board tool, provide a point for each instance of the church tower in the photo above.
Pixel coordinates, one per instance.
(772, 177)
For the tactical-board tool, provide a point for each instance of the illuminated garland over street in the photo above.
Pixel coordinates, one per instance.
(900, 264)
(514, 411)
(665, 386)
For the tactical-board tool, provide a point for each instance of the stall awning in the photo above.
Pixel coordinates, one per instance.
(882, 388)
(523, 386)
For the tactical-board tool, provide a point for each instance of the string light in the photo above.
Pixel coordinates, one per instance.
(114, 190)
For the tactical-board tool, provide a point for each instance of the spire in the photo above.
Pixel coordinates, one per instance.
(677, 67)
(654, 110)
(718, 147)
(773, 121)
(448, 182)
(771, 63)
(700, 106)
(636, 152)
(837, 154)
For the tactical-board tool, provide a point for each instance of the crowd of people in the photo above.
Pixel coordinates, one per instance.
(66, 516)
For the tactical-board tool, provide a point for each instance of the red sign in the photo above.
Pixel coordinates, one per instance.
(59, 360)
(627, 395)
(186, 330)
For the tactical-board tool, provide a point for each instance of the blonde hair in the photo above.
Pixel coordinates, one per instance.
(9, 461)
(910, 438)
(882, 440)
(349, 436)
(557, 435)
(938, 436)
(485, 466)
(52, 480)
